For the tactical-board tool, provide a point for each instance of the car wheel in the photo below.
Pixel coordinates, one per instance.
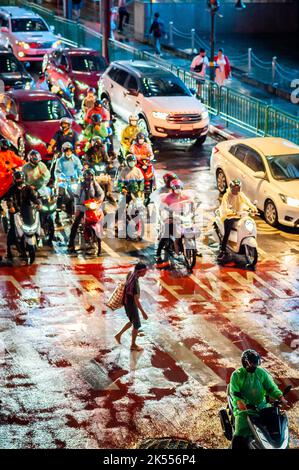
(221, 181)
(270, 213)
(107, 104)
(21, 147)
(142, 125)
(200, 140)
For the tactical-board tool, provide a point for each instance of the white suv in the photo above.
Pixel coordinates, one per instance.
(165, 106)
(26, 34)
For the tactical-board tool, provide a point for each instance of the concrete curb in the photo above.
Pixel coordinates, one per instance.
(225, 134)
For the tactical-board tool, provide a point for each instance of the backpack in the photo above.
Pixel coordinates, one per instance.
(157, 29)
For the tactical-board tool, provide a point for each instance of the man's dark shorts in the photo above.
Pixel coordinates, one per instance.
(133, 315)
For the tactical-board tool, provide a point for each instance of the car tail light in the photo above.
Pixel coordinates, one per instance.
(7, 87)
(34, 45)
(215, 149)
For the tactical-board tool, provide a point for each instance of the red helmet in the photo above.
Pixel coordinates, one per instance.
(176, 184)
(168, 177)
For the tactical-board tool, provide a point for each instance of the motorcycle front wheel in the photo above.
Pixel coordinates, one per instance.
(190, 257)
(31, 251)
(251, 256)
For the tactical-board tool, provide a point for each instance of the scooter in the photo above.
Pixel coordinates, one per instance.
(48, 198)
(189, 232)
(147, 169)
(133, 204)
(242, 239)
(28, 230)
(269, 426)
(67, 187)
(91, 231)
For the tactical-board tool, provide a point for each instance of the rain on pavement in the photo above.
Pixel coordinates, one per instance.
(64, 380)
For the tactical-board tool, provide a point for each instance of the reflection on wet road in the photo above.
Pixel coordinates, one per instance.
(66, 383)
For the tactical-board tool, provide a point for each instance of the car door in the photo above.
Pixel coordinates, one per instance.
(235, 163)
(119, 89)
(130, 100)
(252, 186)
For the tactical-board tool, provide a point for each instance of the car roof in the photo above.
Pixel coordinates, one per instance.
(269, 145)
(80, 50)
(31, 95)
(18, 12)
(144, 68)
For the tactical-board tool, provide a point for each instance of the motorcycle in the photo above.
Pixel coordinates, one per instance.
(149, 179)
(48, 209)
(186, 241)
(242, 239)
(133, 204)
(67, 187)
(90, 231)
(28, 230)
(269, 426)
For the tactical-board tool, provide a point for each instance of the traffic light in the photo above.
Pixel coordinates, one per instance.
(239, 5)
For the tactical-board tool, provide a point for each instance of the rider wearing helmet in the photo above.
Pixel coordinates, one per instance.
(88, 189)
(98, 108)
(36, 172)
(68, 165)
(89, 100)
(17, 198)
(96, 128)
(9, 161)
(168, 177)
(233, 203)
(253, 383)
(131, 178)
(129, 134)
(141, 149)
(64, 134)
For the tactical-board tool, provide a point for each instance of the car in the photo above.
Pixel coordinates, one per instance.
(26, 34)
(165, 106)
(32, 118)
(268, 168)
(81, 67)
(13, 73)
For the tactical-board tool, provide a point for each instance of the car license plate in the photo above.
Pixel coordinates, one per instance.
(186, 127)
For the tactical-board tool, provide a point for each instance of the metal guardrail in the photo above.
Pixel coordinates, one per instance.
(248, 113)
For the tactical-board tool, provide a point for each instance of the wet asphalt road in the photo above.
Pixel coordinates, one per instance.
(66, 383)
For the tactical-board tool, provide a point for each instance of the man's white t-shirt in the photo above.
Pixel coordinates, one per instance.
(198, 60)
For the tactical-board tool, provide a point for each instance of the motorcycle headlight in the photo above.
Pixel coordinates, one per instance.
(93, 206)
(249, 225)
(74, 186)
(204, 115)
(159, 115)
(27, 86)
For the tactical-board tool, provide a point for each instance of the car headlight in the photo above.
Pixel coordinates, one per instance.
(23, 44)
(204, 115)
(159, 115)
(249, 225)
(56, 44)
(290, 201)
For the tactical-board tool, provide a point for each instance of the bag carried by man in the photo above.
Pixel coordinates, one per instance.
(116, 299)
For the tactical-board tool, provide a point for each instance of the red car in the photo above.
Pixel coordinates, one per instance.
(32, 118)
(81, 66)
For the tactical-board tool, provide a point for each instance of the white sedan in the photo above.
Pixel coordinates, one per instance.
(268, 168)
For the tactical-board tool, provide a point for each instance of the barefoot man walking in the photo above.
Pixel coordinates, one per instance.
(132, 305)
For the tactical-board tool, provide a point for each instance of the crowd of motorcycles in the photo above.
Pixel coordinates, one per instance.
(129, 172)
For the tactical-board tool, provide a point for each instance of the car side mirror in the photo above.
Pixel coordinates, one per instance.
(4, 29)
(260, 175)
(133, 92)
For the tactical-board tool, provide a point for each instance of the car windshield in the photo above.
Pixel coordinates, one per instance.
(166, 86)
(28, 24)
(9, 64)
(87, 63)
(43, 110)
(284, 167)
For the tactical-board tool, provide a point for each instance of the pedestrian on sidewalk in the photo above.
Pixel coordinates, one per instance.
(123, 14)
(157, 30)
(132, 305)
(77, 5)
(198, 66)
(113, 22)
(223, 69)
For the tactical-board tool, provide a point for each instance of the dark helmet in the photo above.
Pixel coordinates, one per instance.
(91, 90)
(168, 177)
(140, 135)
(34, 157)
(67, 146)
(131, 158)
(234, 183)
(250, 358)
(98, 103)
(96, 118)
(4, 144)
(97, 141)
(19, 177)
(88, 174)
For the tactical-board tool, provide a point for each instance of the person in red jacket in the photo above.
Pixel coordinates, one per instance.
(98, 108)
(9, 161)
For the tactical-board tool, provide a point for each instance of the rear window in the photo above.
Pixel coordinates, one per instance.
(28, 25)
(8, 64)
(88, 63)
(44, 110)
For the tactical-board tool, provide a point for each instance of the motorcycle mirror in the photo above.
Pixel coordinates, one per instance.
(287, 390)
